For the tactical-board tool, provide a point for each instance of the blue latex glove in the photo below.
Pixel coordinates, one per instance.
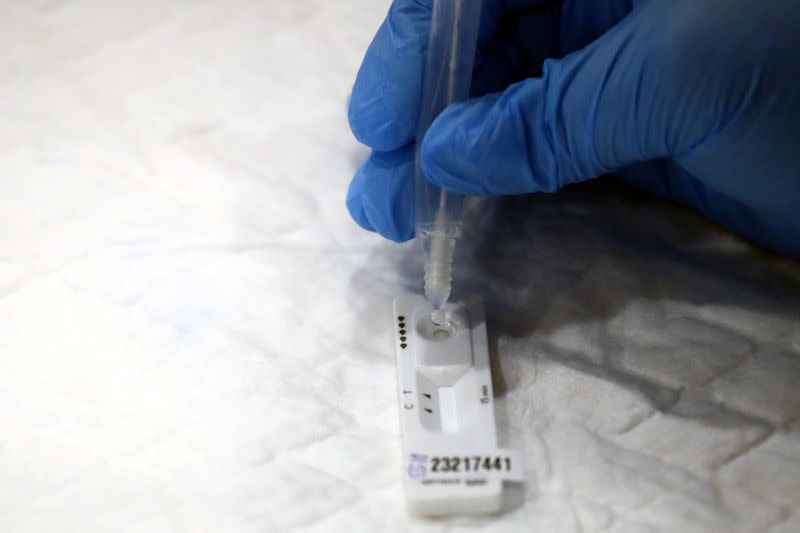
(696, 100)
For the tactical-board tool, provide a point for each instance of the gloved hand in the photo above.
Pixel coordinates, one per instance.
(696, 100)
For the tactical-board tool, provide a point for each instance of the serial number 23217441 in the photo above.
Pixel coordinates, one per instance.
(474, 463)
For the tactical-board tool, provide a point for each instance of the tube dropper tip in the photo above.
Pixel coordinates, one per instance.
(439, 317)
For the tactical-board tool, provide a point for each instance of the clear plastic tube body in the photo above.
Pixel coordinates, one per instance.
(448, 75)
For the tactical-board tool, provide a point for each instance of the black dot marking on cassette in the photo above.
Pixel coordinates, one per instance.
(428, 411)
(428, 396)
(401, 320)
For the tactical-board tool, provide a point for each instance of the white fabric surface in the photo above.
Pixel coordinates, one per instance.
(194, 337)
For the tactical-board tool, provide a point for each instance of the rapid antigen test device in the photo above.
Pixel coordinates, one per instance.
(451, 461)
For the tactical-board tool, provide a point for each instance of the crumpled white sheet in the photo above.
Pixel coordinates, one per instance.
(195, 337)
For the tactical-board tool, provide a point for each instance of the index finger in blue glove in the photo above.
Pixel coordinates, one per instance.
(385, 102)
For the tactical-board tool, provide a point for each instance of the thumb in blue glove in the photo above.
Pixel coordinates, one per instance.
(695, 100)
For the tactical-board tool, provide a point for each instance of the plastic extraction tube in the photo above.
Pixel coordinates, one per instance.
(448, 75)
